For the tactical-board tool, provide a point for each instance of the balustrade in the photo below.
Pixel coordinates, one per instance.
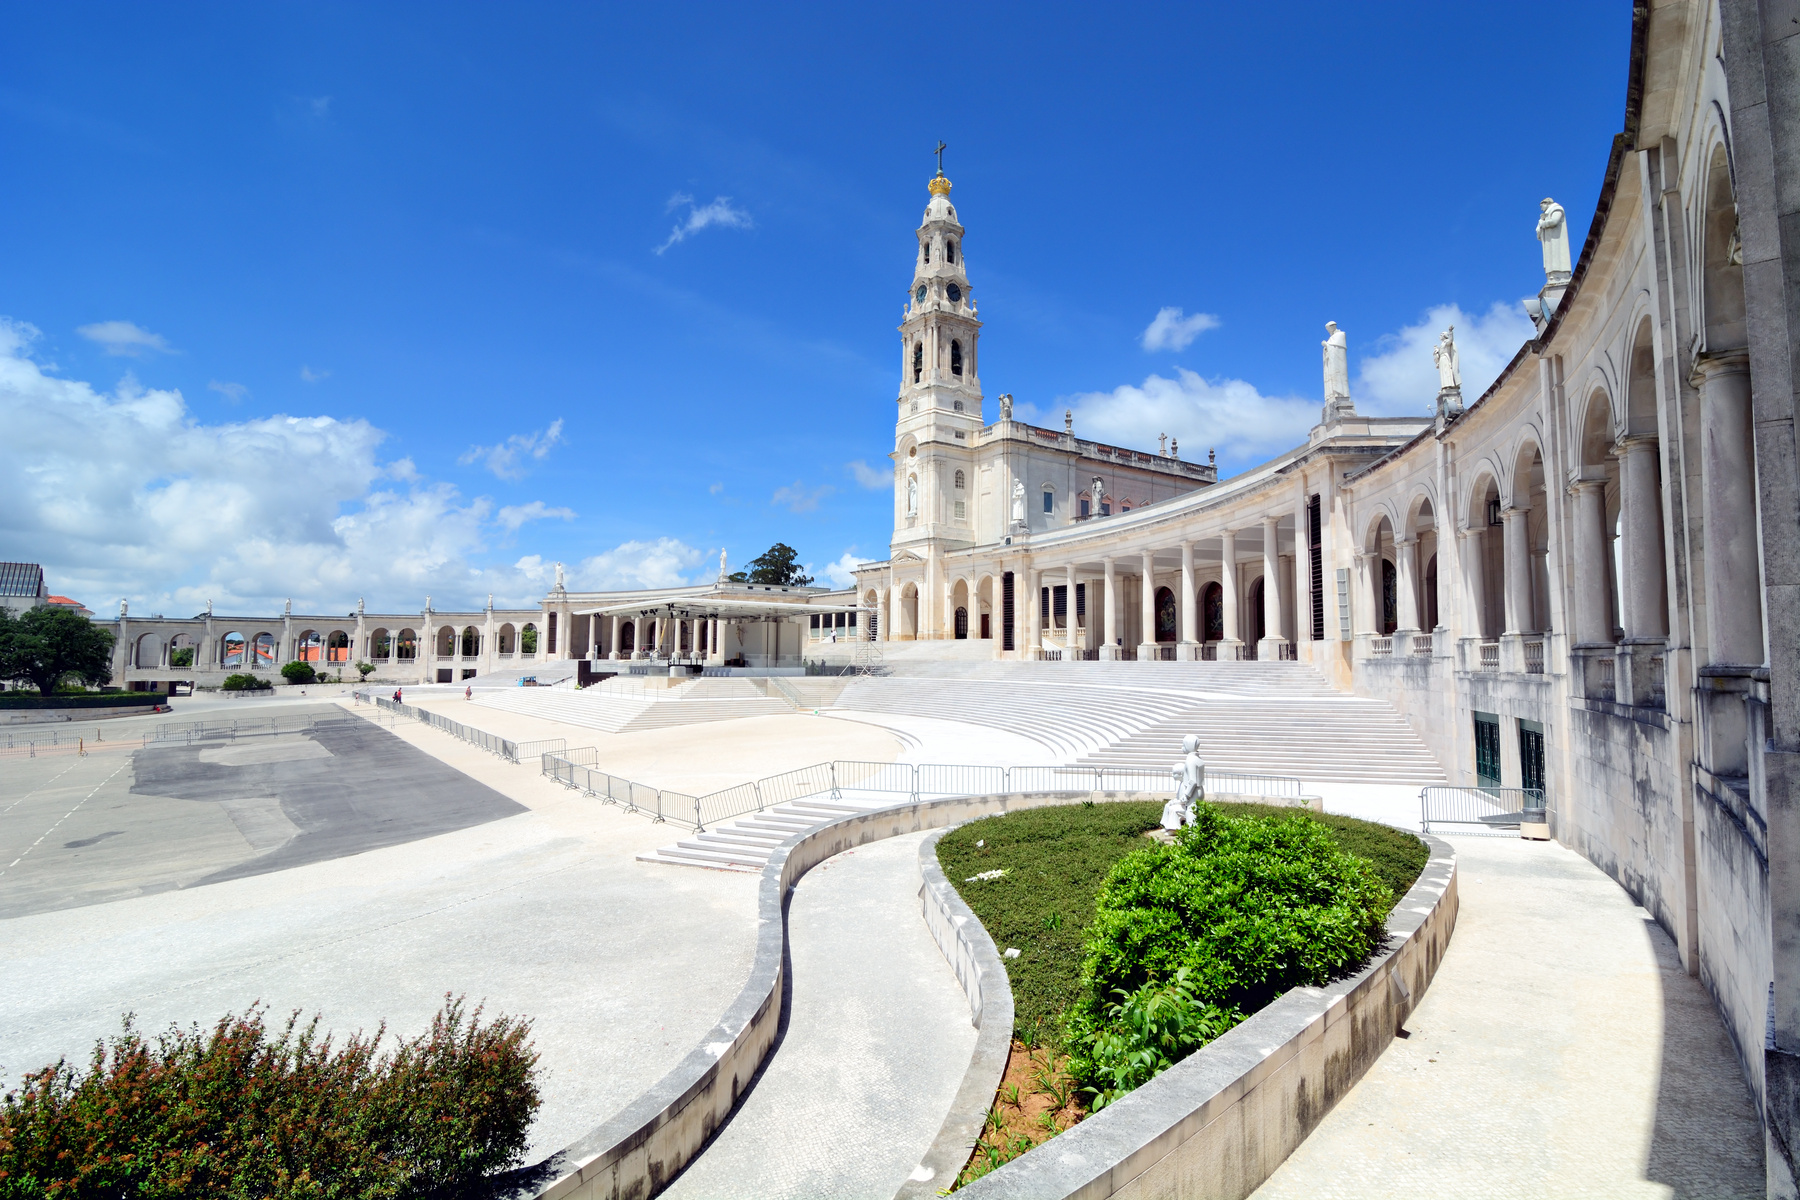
(1490, 656)
(1423, 644)
(1534, 658)
(1381, 647)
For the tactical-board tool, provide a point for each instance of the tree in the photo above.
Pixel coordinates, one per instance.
(367, 668)
(47, 645)
(298, 673)
(776, 565)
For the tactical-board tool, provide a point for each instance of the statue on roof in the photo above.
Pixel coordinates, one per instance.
(1444, 355)
(1553, 232)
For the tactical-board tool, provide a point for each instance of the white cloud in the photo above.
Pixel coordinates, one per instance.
(321, 105)
(509, 459)
(659, 563)
(703, 216)
(798, 499)
(716, 488)
(234, 392)
(1172, 330)
(838, 574)
(1227, 413)
(127, 494)
(1400, 377)
(872, 478)
(515, 515)
(125, 339)
(312, 376)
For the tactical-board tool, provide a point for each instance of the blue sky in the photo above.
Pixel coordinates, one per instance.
(338, 300)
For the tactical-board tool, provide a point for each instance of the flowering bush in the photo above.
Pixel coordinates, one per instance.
(236, 1113)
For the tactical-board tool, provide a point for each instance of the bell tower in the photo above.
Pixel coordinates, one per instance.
(940, 385)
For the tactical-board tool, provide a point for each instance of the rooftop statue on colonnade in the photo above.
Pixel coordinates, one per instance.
(1449, 399)
(1553, 232)
(1337, 371)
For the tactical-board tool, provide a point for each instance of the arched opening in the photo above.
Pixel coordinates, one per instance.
(1728, 462)
(148, 653)
(959, 481)
(1390, 597)
(1486, 560)
(955, 357)
(528, 639)
(406, 646)
(381, 646)
(925, 249)
(1431, 592)
(627, 637)
(232, 650)
(950, 250)
(262, 651)
(1258, 617)
(1167, 618)
(1596, 525)
(1212, 612)
(962, 624)
(337, 647)
(471, 641)
(909, 613)
(918, 361)
(1644, 604)
(1383, 582)
(507, 639)
(308, 648)
(984, 604)
(181, 651)
(446, 642)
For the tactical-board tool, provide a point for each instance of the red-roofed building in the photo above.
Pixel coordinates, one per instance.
(65, 602)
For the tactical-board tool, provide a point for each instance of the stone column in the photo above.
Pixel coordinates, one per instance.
(1147, 610)
(1269, 648)
(1189, 648)
(1641, 590)
(1592, 624)
(1228, 646)
(1469, 552)
(1071, 634)
(1728, 473)
(1364, 618)
(881, 615)
(1406, 569)
(613, 653)
(1518, 568)
(1110, 648)
(1034, 636)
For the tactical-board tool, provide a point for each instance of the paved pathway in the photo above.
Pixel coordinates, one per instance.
(877, 1043)
(1561, 1051)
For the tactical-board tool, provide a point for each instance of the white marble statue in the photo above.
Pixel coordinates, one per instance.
(559, 577)
(1018, 502)
(1337, 364)
(721, 564)
(1006, 406)
(912, 495)
(1193, 778)
(1444, 355)
(1098, 488)
(1553, 232)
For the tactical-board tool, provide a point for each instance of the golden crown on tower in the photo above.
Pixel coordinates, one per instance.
(939, 185)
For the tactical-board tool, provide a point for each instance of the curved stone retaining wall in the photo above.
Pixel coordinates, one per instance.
(637, 1152)
(1219, 1122)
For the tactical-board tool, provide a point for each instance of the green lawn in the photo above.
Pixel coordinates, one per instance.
(1055, 859)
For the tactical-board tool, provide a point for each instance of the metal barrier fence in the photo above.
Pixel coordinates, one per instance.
(505, 748)
(80, 738)
(830, 781)
(1495, 812)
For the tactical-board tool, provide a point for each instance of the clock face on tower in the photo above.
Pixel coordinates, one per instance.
(920, 294)
(954, 292)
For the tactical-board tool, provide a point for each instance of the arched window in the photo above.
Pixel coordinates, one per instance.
(1049, 501)
(1390, 598)
(308, 648)
(927, 249)
(471, 642)
(962, 624)
(1212, 611)
(528, 639)
(959, 480)
(337, 647)
(381, 645)
(950, 251)
(1165, 615)
(262, 650)
(956, 358)
(918, 361)
(231, 650)
(446, 641)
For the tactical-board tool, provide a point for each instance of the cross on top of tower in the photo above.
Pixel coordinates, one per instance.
(940, 153)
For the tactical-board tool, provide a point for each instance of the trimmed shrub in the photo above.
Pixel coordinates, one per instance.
(298, 673)
(1191, 938)
(236, 1113)
(244, 683)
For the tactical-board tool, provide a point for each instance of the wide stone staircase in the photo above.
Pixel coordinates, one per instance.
(629, 712)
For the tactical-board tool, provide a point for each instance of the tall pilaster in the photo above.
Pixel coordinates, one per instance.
(1110, 647)
(1147, 609)
(1228, 587)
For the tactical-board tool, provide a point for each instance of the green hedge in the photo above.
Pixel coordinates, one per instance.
(87, 700)
(237, 1113)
